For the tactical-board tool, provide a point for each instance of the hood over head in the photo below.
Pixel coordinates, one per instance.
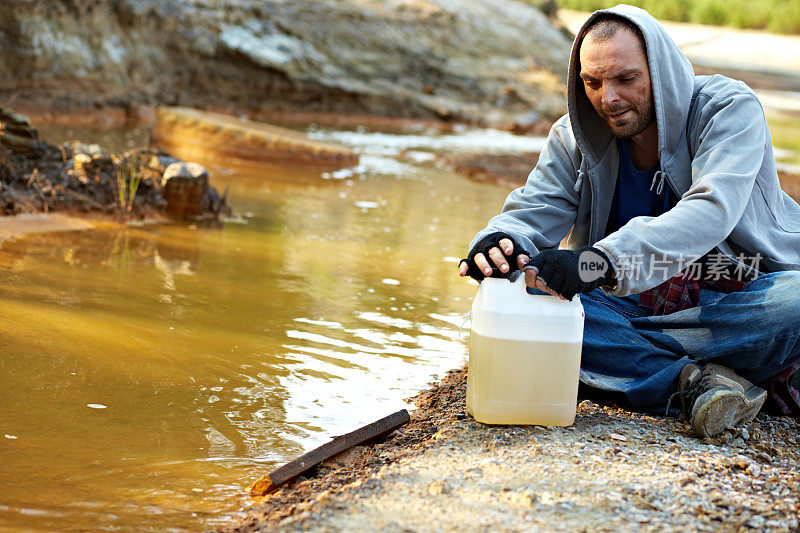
(671, 76)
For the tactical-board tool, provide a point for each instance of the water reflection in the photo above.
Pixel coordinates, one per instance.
(220, 352)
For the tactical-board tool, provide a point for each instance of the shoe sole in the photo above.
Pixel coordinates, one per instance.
(717, 410)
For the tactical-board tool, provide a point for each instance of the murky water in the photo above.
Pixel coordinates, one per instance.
(148, 374)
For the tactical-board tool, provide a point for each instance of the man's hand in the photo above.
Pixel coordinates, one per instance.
(498, 247)
(566, 273)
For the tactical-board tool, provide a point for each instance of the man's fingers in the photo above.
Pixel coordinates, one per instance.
(483, 264)
(530, 278)
(497, 256)
(507, 245)
(499, 259)
(535, 282)
(540, 284)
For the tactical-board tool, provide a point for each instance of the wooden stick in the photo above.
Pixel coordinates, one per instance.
(374, 431)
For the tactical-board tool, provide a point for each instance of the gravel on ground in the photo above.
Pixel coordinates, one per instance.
(613, 470)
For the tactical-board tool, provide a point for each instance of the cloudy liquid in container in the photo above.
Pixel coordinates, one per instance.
(514, 382)
(524, 356)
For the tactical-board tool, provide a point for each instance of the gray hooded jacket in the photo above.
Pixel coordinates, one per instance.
(715, 154)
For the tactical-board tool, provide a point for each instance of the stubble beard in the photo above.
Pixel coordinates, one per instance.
(643, 117)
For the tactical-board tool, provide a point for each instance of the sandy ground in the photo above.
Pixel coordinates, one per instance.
(613, 470)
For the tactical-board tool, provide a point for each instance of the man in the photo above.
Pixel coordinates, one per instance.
(679, 240)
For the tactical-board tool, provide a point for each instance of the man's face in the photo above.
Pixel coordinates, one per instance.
(616, 78)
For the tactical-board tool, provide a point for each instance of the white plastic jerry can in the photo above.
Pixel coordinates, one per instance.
(524, 355)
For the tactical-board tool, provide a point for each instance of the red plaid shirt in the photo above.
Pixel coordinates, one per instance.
(683, 292)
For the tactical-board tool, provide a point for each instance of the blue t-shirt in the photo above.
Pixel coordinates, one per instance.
(632, 196)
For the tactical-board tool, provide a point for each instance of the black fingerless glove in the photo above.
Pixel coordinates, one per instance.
(483, 246)
(569, 272)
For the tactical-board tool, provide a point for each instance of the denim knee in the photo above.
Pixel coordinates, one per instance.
(783, 299)
(778, 316)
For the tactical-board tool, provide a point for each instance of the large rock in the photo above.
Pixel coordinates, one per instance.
(197, 135)
(469, 59)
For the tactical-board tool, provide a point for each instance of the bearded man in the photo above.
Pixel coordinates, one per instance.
(665, 183)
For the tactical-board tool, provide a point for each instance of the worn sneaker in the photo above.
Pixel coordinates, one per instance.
(716, 398)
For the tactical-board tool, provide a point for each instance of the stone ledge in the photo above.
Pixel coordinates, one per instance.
(194, 135)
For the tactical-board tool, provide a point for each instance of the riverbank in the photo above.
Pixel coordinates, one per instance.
(613, 470)
(77, 177)
(348, 57)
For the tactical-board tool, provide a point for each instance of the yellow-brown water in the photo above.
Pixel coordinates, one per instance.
(148, 374)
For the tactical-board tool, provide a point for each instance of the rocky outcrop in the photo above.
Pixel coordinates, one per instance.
(193, 134)
(487, 60)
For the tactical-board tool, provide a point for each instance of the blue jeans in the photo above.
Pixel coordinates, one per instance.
(756, 332)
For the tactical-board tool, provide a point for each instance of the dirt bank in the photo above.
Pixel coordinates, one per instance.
(612, 470)
(474, 60)
(75, 177)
